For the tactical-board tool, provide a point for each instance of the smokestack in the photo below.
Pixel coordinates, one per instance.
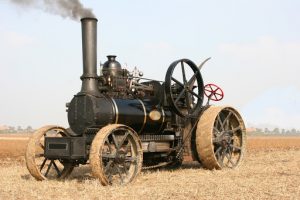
(89, 54)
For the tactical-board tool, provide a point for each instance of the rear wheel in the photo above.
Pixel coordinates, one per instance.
(40, 167)
(220, 138)
(116, 155)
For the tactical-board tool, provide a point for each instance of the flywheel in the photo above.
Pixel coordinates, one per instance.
(220, 138)
(184, 88)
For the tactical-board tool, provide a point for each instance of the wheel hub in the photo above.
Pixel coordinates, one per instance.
(225, 140)
(120, 157)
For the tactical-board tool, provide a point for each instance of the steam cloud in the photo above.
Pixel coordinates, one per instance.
(72, 9)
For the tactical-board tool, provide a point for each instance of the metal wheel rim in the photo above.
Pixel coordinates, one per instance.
(220, 138)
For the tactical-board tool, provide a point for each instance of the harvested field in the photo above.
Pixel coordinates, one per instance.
(261, 143)
(271, 170)
(12, 147)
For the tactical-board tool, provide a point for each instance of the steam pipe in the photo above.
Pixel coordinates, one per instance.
(89, 56)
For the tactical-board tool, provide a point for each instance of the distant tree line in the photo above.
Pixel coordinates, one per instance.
(18, 129)
(276, 131)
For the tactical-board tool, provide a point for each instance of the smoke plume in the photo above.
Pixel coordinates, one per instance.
(72, 9)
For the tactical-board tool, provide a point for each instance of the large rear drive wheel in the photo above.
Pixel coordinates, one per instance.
(116, 155)
(220, 138)
(42, 168)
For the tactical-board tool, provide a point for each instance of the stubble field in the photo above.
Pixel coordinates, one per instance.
(271, 170)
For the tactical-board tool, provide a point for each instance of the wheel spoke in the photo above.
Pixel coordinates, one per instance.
(110, 174)
(217, 139)
(236, 129)
(178, 82)
(229, 159)
(41, 145)
(218, 150)
(115, 141)
(130, 159)
(58, 132)
(40, 155)
(207, 90)
(183, 73)
(226, 120)
(56, 168)
(227, 125)
(219, 154)
(187, 99)
(221, 157)
(43, 164)
(216, 130)
(179, 96)
(211, 88)
(193, 93)
(215, 91)
(49, 166)
(124, 138)
(108, 166)
(120, 174)
(108, 155)
(108, 144)
(124, 168)
(236, 147)
(127, 147)
(192, 80)
(215, 96)
(220, 122)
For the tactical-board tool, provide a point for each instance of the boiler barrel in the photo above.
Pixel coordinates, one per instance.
(87, 111)
(135, 113)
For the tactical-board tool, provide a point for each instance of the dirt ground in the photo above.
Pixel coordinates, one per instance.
(271, 170)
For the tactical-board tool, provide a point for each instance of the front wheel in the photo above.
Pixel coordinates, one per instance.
(116, 155)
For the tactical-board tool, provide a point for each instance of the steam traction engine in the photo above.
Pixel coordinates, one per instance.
(121, 122)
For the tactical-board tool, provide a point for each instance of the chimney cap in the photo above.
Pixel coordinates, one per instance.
(88, 18)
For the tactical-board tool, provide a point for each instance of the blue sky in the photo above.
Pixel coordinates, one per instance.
(254, 45)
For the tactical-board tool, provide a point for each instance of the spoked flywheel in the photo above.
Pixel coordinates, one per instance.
(39, 166)
(116, 155)
(184, 88)
(220, 138)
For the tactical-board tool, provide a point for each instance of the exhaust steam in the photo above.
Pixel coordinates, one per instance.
(72, 9)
